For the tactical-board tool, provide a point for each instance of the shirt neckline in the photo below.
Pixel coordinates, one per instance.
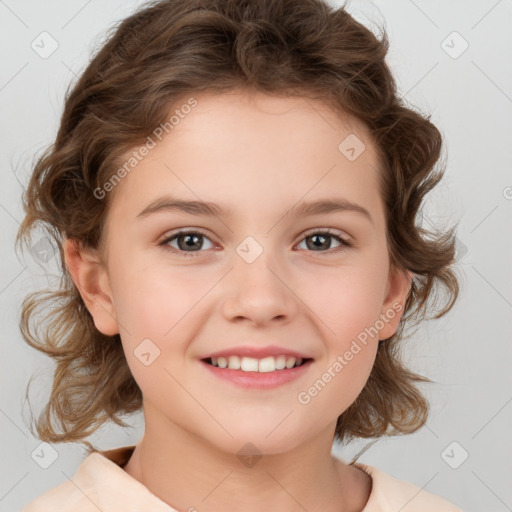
(119, 457)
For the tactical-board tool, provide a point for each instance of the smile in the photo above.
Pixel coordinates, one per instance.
(252, 364)
(249, 372)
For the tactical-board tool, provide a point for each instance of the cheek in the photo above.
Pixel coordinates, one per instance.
(154, 306)
(351, 343)
(152, 311)
(151, 299)
(347, 304)
(345, 300)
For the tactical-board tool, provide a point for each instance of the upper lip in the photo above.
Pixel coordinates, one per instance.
(257, 352)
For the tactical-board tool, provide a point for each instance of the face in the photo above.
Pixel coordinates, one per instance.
(259, 271)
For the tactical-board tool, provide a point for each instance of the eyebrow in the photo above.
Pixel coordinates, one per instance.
(206, 208)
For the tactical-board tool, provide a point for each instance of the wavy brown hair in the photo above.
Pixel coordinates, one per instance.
(172, 49)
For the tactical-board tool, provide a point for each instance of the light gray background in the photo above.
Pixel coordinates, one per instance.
(468, 353)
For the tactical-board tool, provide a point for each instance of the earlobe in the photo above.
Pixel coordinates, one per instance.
(399, 285)
(91, 279)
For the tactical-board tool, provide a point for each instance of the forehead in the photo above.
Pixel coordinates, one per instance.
(262, 118)
(252, 149)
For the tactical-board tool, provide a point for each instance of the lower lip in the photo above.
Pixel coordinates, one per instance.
(257, 380)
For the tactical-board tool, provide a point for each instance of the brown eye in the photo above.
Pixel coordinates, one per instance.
(189, 242)
(321, 241)
(186, 241)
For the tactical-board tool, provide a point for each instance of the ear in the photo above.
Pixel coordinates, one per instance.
(399, 284)
(91, 278)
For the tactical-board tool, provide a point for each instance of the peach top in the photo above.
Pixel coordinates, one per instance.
(100, 483)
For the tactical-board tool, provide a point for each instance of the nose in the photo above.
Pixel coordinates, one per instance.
(259, 292)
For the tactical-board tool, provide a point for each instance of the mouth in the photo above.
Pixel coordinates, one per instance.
(264, 365)
(257, 374)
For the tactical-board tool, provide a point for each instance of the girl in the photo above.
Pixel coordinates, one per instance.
(233, 190)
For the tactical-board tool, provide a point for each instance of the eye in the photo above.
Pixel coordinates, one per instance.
(318, 240)
(187, 241)
(192, 241)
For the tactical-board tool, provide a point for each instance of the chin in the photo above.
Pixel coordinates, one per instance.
(257, 442)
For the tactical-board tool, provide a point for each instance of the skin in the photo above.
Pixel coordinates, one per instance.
(259, 155)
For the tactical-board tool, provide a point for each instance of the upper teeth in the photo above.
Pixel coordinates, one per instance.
(250, 364)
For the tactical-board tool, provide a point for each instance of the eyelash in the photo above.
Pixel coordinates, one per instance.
(345, 244)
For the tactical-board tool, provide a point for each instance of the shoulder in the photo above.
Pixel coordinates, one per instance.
(77, 493)
(389, 494)
(62, 497)
(99, 484)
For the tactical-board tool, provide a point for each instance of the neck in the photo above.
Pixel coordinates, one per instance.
(188, 472)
